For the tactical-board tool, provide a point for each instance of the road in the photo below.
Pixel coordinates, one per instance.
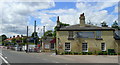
(36, 58)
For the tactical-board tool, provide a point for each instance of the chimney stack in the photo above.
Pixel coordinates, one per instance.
(82, 20)
(18, 36)
(13, 36)
(58, 22)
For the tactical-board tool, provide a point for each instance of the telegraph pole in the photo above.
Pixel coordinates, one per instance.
(35, 32)
(27, 39)
(43, 30)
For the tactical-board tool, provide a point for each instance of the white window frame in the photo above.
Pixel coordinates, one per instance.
(65, 47)
(104, 47)
(82, 47)
(54, 46)
(47, 46)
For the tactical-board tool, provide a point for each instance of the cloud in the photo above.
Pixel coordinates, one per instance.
(15, 15)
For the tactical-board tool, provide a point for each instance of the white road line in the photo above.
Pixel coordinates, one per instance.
(4, 59)
(55, 62)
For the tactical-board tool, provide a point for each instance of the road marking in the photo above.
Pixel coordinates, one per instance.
(55, 62)
(4, 59)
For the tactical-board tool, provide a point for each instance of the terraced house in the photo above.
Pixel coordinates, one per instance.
(84, 38)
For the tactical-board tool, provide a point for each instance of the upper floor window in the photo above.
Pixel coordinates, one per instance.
(98, 34)
(85, 34)
(70, 34)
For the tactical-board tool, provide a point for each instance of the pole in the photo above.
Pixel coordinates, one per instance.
(43, 30)
(27, 39)
(35, 32)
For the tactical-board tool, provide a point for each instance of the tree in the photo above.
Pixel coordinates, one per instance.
(14, 41)
(34, 34)
(104, 24)
(115, 25)
(3, 37)
(55, 28)
(49, 33)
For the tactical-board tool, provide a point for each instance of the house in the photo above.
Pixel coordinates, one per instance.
(117, 39)
(84, 37)
(48, 44)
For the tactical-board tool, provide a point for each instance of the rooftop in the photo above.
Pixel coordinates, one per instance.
(77, 27)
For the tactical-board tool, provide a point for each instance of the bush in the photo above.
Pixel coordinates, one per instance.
(118, 53)
(84, 53)
(102, 53)
(113, 54)
(90, 53)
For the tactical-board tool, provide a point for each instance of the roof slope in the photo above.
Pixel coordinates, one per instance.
(77, 27)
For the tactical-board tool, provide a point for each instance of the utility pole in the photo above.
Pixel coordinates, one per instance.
(35, 33)
(27, 39)
(44, 31)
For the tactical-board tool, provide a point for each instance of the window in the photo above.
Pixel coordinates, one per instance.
(84, 47)
(46, 46)
(67, 46)
(103, 47)
(98, 34)
(52, 45)
(70, 34)
(85, 34)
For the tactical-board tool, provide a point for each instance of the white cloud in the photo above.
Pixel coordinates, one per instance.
(16, 15)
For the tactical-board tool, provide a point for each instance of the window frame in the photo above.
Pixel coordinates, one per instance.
(65, 46)
(84, 33)
(53, 46)
(86, 47)
(104, 46)
(70, 34)
(98, 34)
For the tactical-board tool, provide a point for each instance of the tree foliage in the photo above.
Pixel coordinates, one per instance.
(49, 33)
(104, 24)
(34, 34)
(3, 37)
(62, 25)
(115, 25)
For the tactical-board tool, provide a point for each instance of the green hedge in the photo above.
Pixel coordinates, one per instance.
(102, 53)
(76, 53)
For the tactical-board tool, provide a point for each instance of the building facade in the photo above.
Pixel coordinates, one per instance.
(84, 38)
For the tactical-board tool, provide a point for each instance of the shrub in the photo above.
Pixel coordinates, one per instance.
(76, 53)
(102, 53)
(90, 53)
(113, 54)
(84, 53)
(118, 53)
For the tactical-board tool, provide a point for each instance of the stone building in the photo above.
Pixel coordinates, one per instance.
(84, 37)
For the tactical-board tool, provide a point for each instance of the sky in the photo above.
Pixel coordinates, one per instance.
(16, 16)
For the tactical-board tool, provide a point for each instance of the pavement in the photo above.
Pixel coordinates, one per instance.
(23, 57)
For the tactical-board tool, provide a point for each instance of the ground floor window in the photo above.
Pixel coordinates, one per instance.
(52, 45)
(84, 47)
(67, 46)
(46, 46)
(103, 47)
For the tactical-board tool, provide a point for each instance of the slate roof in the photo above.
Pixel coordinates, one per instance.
(77, 27)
